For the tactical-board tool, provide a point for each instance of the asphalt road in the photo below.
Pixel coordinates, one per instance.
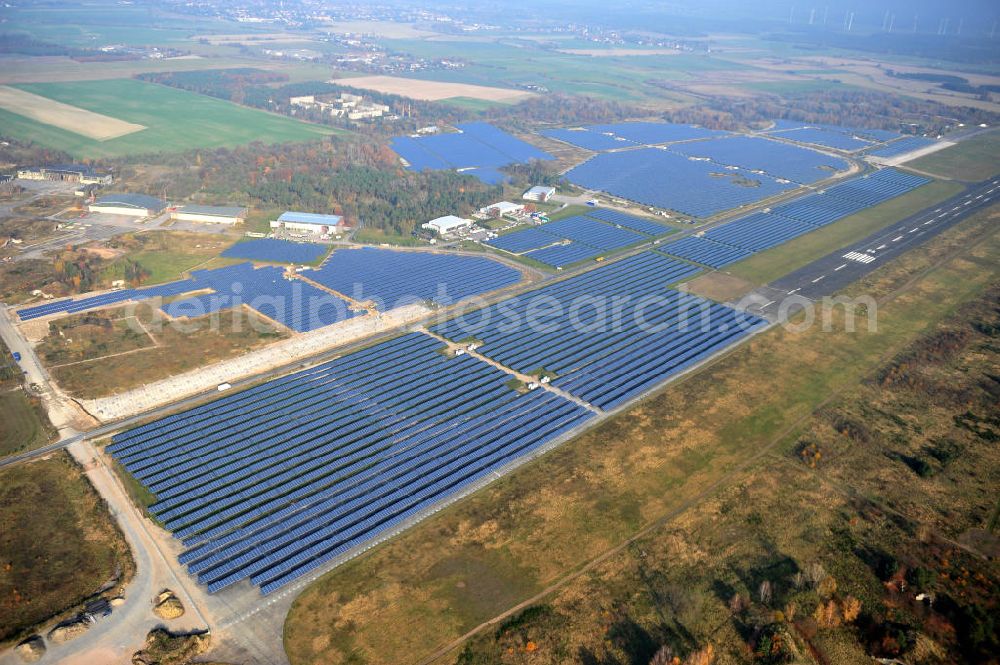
(848, 264)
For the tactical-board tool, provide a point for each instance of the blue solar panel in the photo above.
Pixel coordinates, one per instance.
(478, 147)
(562, 255)
(826, 138)
(602, 358)
(276, 251)
(780, 160)
(758, 231)
(705, 252)
(392, 278)
(629, 221)
(902, 146)
(664, 179)
(653, 133)
(589, 140)
(272, 482)
(592, 232)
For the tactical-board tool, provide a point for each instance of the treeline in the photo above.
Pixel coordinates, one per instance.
(947, 82)
(852, 108)
(560, 109)
(24, 44)
(361, 181)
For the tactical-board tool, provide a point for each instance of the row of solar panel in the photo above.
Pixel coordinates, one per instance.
(902, 146)
(272, 482)
(478, 145)
(738, 239)
(587, 237)
(626, 134)
(393, 278)
(276, 251)
(656, 177)
(653, 332)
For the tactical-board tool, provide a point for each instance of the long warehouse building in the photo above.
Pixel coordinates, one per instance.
(131, 205)
(210, 214)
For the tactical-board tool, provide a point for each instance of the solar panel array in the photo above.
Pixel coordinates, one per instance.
(588, 238)
(629, 134)
(780, 160)
(628, 221)
(664, 179)
(393, 278)
(873, 135)
(902, 146)
(826, 138)
(634, 335)
(293, 303)
(586, 139)
(738, 239)
(479, 147)
(74, 305)
(272, 482)
(272, 250)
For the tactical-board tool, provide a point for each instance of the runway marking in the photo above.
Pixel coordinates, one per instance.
(793, 291)
(929, 221)
(883, 246)
(767, 304)
(840, 267)
(859, 257)
(818, 278)
(979, 197)
(897, 238)
(914, 229)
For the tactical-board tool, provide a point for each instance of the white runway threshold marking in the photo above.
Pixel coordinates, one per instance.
(859, 257)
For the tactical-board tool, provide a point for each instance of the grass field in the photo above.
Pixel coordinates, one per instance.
(23, 423)
(769, 265)
(58, 542)
(700, 444)
(176, 120)
(228, 334)
(972, 160)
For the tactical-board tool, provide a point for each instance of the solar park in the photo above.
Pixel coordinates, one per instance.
(271, 483)
(738, 239)
(478, 149)
(567, 241)
(303, 305)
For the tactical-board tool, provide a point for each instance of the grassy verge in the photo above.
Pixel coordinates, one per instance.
(378, 237)
(59, 543)
(971, 160)
(23, 422)
(178, 349)
(578, 508)
(769, 265)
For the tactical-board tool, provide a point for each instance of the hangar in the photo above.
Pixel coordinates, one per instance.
(210, 214)
(307, 222)
(447, 224)
(132, 205)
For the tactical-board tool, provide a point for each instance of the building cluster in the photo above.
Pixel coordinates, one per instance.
(78, 173)
(346, 105)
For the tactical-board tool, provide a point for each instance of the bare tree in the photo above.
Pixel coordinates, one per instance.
(765, 592)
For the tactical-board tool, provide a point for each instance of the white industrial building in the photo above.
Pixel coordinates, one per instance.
(210, 214)
(539, 193)
(307, 222)
(447, 224)
(81, 173)
(502, 208)
(131, 205)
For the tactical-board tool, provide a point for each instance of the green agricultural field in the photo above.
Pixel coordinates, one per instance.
(175, 120)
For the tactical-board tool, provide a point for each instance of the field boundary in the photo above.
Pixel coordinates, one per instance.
(74, 119)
